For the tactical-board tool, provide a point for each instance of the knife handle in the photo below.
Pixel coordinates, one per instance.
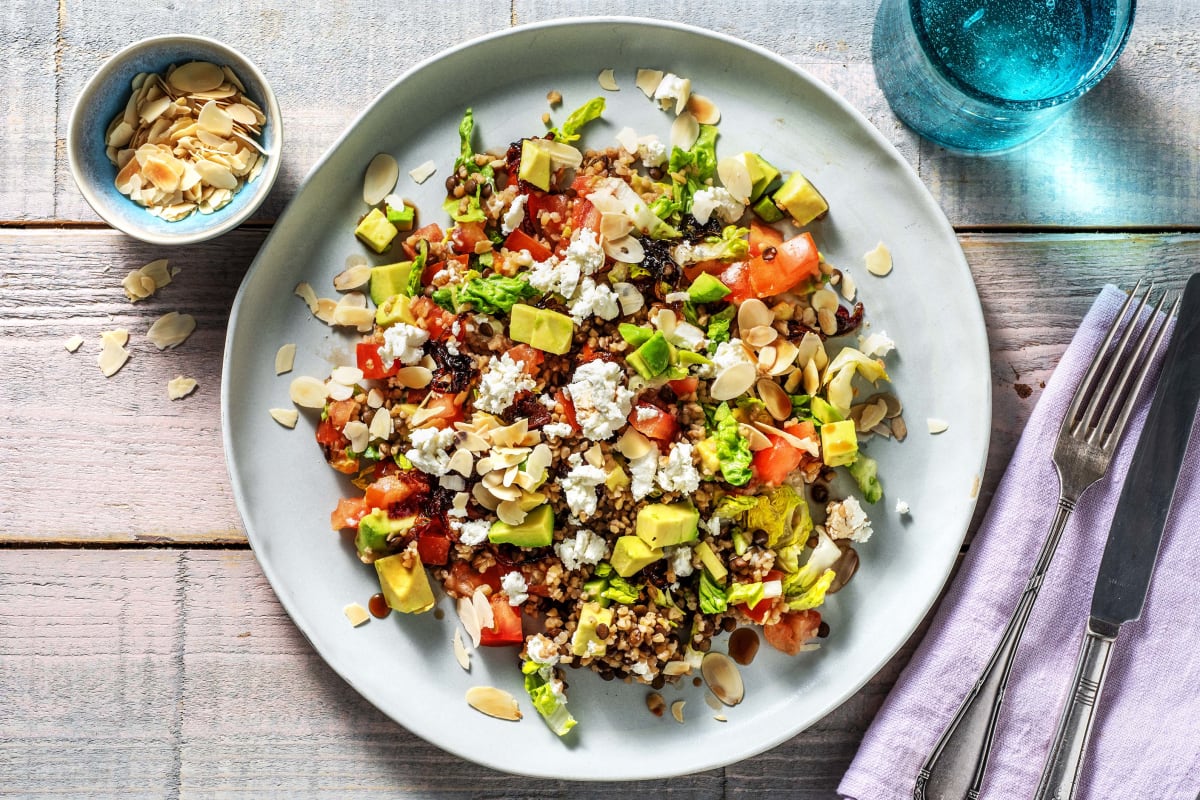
(1060, 775)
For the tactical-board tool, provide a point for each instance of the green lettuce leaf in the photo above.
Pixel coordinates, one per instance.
(733, 506)
(551, 706)
(413, 289)
(620, 590)
(776, 513)
(493, 295)
(749, 593)
(822, 558)
(814, 595)
(733, 451)
(864, 470)
(697, 164)
(718, 326)
(712, 596)
(569, 130)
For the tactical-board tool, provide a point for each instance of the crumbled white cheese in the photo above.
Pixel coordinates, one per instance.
(547, 401)
(541, 650)
(687, 336)
(877, 344)
(428, 452)
(718, 200)
(679, 474)
(579, 485)
(474, 532)
(651, 151)
(601, 398)
(646, 413)
(515, 215)
(584, 256)
(642, 669)
(642, 472)
(513, 584)
(680, 559)
(593, 299)
(585, 548)
(727, 355)
(714, 526)
(845, 519)
(556, 430)
(404, 342)
(501, 381)
(677, 297)
(902, 507)
(452, 347)
(673, 91)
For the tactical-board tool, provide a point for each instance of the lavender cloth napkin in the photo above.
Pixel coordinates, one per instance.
(1146, 739)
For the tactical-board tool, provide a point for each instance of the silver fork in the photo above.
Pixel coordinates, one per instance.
(1089, 434)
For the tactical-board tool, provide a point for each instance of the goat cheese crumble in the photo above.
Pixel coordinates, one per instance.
(513, 584)
(679, 474)
(515, 214)
(845, 519)
(428, 451)
(579, 486)
(402, 342)
(501, 382)
(474, 532)
(716, 200)
(601, 398)
(585, 548)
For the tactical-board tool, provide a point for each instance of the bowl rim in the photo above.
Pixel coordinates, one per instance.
(114, 64)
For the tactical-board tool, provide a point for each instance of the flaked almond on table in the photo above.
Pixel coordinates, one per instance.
(187, 140)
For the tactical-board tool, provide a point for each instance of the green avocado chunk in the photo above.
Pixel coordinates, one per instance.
(585, 641)
(823, 411)
(665, 524)
(653, 357)
(542, 328)
(763, 175)
(536, 531)
(706, 289)
(520, 323)
(388, 280)
(631, 554)
(374, 530)
(375, 231)
(535, 164)
(766, 210)
(635, 335)
(404, 582)
(711, 561)
(801, 199)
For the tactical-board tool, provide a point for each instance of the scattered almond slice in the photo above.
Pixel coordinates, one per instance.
(648, 80)
(493, 702)
(720, 718)
(380, 178)
(285, 358)
(460, 651)
(684, 131)
(356, 614)
(937, 425)
(171, 329)
(704, 110)
(849, 287)
(879, 260)
(677, 710)
(381, 425)
(305, 292)
(308, 392)
(353, 277)
(287, 417)
(467, 615)
(73, 343)
(358, 434)
(608, 81)
(113, 354)
(422, 172)
(145, 281)
(180, 387)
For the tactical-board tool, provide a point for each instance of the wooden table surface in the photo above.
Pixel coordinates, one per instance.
(143, 654)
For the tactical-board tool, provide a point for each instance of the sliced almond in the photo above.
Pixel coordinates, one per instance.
(484, 497)
(375, 399)
(677, 706)
(348, 376)
(594, 456)
(633, 444)
(823, 299)
(461, 462)
(723, 678)
(113, 354)
(493, 702)
(704, 110)
(469, 619)
(735, 176)
(937, 425)
(308, 392)
(538, 461)
(752, 313)
(460, 651)
(353, 317)
(171, 329)
(849, 287)
(338, 391)
(381, 425)
(899, 429)
(356, 614)
(196, 76)
(214, 119)
(736, 380)
(352, 278)
(615, 225)
(511, 513)
(325, 310)
(380, 179)
(778, 404)
(879, 260)
(684, 131)
(286, 417)
(648, 80)
(358, 434)
(483, 608)
(828, 322)
(760, 336)
(756, 439)
(628, 139)
(608, 81)
(305, 292)
(285, 358)
(180, 387)
(785, 357)
(766, 357)
(73, 343)
(422, 172)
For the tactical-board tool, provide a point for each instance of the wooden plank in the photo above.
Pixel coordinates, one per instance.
(1123, 157)
(29, 152)
(326, 62)
(146, 469)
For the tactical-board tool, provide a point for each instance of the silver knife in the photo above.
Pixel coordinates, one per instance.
(1133, 541)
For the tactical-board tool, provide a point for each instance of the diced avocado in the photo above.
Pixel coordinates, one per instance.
(766, 209)
(616, 479)
(635, 335)
(401, 216)
(388, 280)
(709, 462)
(375, 231)
(687, 357)
(706, 289)
(394, 309)
(763, 175)
(585, 641)
(653, 357)
(666, 524)
(630, 554)
(535, 164)
(536, 531)
(839, 443)
(801, 199)
(823, 411)
(712, 562)
(552, 332)
(404, 582)
(592, 589)
(520, 323)
(374, 530)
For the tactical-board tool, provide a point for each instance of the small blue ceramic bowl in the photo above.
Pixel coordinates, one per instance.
(105, 96)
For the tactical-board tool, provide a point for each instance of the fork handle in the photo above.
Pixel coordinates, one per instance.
(1060, 775)
(955, 768)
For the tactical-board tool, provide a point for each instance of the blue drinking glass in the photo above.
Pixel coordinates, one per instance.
(981, 76)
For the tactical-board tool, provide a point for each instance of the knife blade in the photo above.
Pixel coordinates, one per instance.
(1141, 515)
(1134, 537)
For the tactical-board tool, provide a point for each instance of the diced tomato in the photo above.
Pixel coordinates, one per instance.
(507, 629)
(329, 435)
(346, 464)
(737, 277)
(437, 320)
(568, 409)
(371, 364)
(763, 236)
(653, 422)
(712, 267)
(348, 512)
(463, 580)
(443, 409)
(390, 491)
(795, 260)
(520, 240)
(430, 233)
(340, 411)
(801, 430)
(583, 185)
(540, 203)
(793, 630)
(585, 215)
(684, 386)
(465, 235)
(433, 547)
(760, 611)
(531, 358)
(772, 465)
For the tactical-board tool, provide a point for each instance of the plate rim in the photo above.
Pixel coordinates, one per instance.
(977, 324)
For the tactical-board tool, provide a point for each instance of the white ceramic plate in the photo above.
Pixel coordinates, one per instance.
(404, 665)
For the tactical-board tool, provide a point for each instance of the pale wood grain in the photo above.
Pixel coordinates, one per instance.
(144, 468)
(29, 152)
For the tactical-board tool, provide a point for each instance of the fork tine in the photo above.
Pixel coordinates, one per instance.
(1111, 441)
(1083, 392)
(1114, 398)
(1096, 391)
